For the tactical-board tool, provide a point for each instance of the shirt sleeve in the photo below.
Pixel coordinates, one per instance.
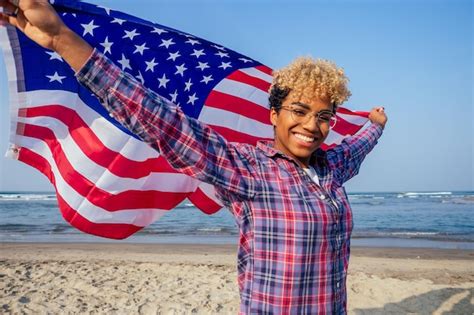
(346, 158)
(188, 145)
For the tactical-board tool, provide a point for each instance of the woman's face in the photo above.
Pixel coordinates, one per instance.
(300, 139)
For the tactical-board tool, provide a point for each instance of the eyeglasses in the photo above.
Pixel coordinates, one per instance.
(324, 118)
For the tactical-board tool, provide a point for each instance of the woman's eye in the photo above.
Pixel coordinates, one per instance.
(299, 112)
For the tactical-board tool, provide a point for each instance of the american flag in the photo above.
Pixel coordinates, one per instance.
(108, 182)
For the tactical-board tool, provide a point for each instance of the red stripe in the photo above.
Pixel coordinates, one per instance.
(346, 111)
(238, 106)
(343, 127)
(130, 199)
(91, 145)
(236, 136)
(203, 202)
(240, 76)
(264, 69)
(115, 231)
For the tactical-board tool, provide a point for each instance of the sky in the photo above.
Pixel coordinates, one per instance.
(412, 57)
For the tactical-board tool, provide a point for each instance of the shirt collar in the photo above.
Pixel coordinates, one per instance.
(268, 148)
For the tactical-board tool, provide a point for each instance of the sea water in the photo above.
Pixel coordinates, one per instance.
(406, 219)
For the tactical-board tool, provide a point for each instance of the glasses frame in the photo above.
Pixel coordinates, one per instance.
(307, 117)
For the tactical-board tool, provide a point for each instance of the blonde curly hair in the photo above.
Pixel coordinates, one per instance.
(309, 78)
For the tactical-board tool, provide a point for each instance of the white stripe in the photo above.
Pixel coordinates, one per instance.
(254, 72)
(354, 119)
(333, 138)
(101, 176)
(138, 217)
(244, 91)
(112, 137)
(223, 118)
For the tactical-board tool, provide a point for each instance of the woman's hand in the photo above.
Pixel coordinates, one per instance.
(40, 22)
(36, 18)
(377, 116)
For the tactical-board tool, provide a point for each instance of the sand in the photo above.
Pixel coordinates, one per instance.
(185, 279)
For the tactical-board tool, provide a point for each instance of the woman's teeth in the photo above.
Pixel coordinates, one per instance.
(304, 138)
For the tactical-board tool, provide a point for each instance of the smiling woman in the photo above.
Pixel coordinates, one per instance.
(294, 224)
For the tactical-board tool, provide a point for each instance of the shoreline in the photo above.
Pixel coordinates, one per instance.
(187, 278)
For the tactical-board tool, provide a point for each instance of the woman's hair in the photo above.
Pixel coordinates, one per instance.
(309, 78)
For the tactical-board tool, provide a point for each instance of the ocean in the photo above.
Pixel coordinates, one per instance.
(400, 219)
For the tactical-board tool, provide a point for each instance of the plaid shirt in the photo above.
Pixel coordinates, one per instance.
(294, 235)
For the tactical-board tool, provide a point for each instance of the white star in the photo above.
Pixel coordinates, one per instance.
(180, 69)
(107, 10)
(206, 79)
(173, 56)
(163, 81)
(188, 85)
(174, 96)
(131, 34)
(158, 30)
(167, 43)
(139, 76)
(225, 65)
(107, 45)
(125, 63)
(192, 99)
(192, 41)
(140, 49)
(150, 65)
(54, 55)
(202, 66)
(56, 77)
(222, 54)
(89, 28)
(73, 14)
(245, 60)
(198, 53)
(118, 21)
(218, 47)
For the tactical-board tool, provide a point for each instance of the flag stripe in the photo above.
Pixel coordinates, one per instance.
(241, 76)
(255, 72)
(235, 136)
(238, 106)
(243, 90)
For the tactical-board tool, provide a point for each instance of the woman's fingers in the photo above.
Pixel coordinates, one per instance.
(8, 19)
(8, 8)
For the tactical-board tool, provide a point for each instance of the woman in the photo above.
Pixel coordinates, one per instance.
(287, 195)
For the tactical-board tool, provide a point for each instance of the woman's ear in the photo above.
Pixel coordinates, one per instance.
(273, 116)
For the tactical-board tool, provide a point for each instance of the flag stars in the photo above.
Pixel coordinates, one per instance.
(222, 54)
(139, 76)
(206, 79)
(107, 45)
(225, 65)
(118, 21)
(131, 34)
(54, 56)
(192, 99)
(140, 49)
(203, 65)
(198, 53)
(89, 28)
(188, 85)
(174, 96)
(107, 10)
(192, 41)
(167, 43)
(180, 69)
(56, 77)
(158, 31)
(150, 65)
(173, 56)
(218, 47)
(245, 60)
(163, 82)
(124, 62)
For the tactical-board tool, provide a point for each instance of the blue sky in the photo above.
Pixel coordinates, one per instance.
(413, 57)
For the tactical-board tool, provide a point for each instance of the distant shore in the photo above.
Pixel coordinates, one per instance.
(186, 278)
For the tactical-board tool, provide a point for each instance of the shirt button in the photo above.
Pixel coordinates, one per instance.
(322, 197)
(337, 284)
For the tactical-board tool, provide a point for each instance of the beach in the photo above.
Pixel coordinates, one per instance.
(98, 278)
